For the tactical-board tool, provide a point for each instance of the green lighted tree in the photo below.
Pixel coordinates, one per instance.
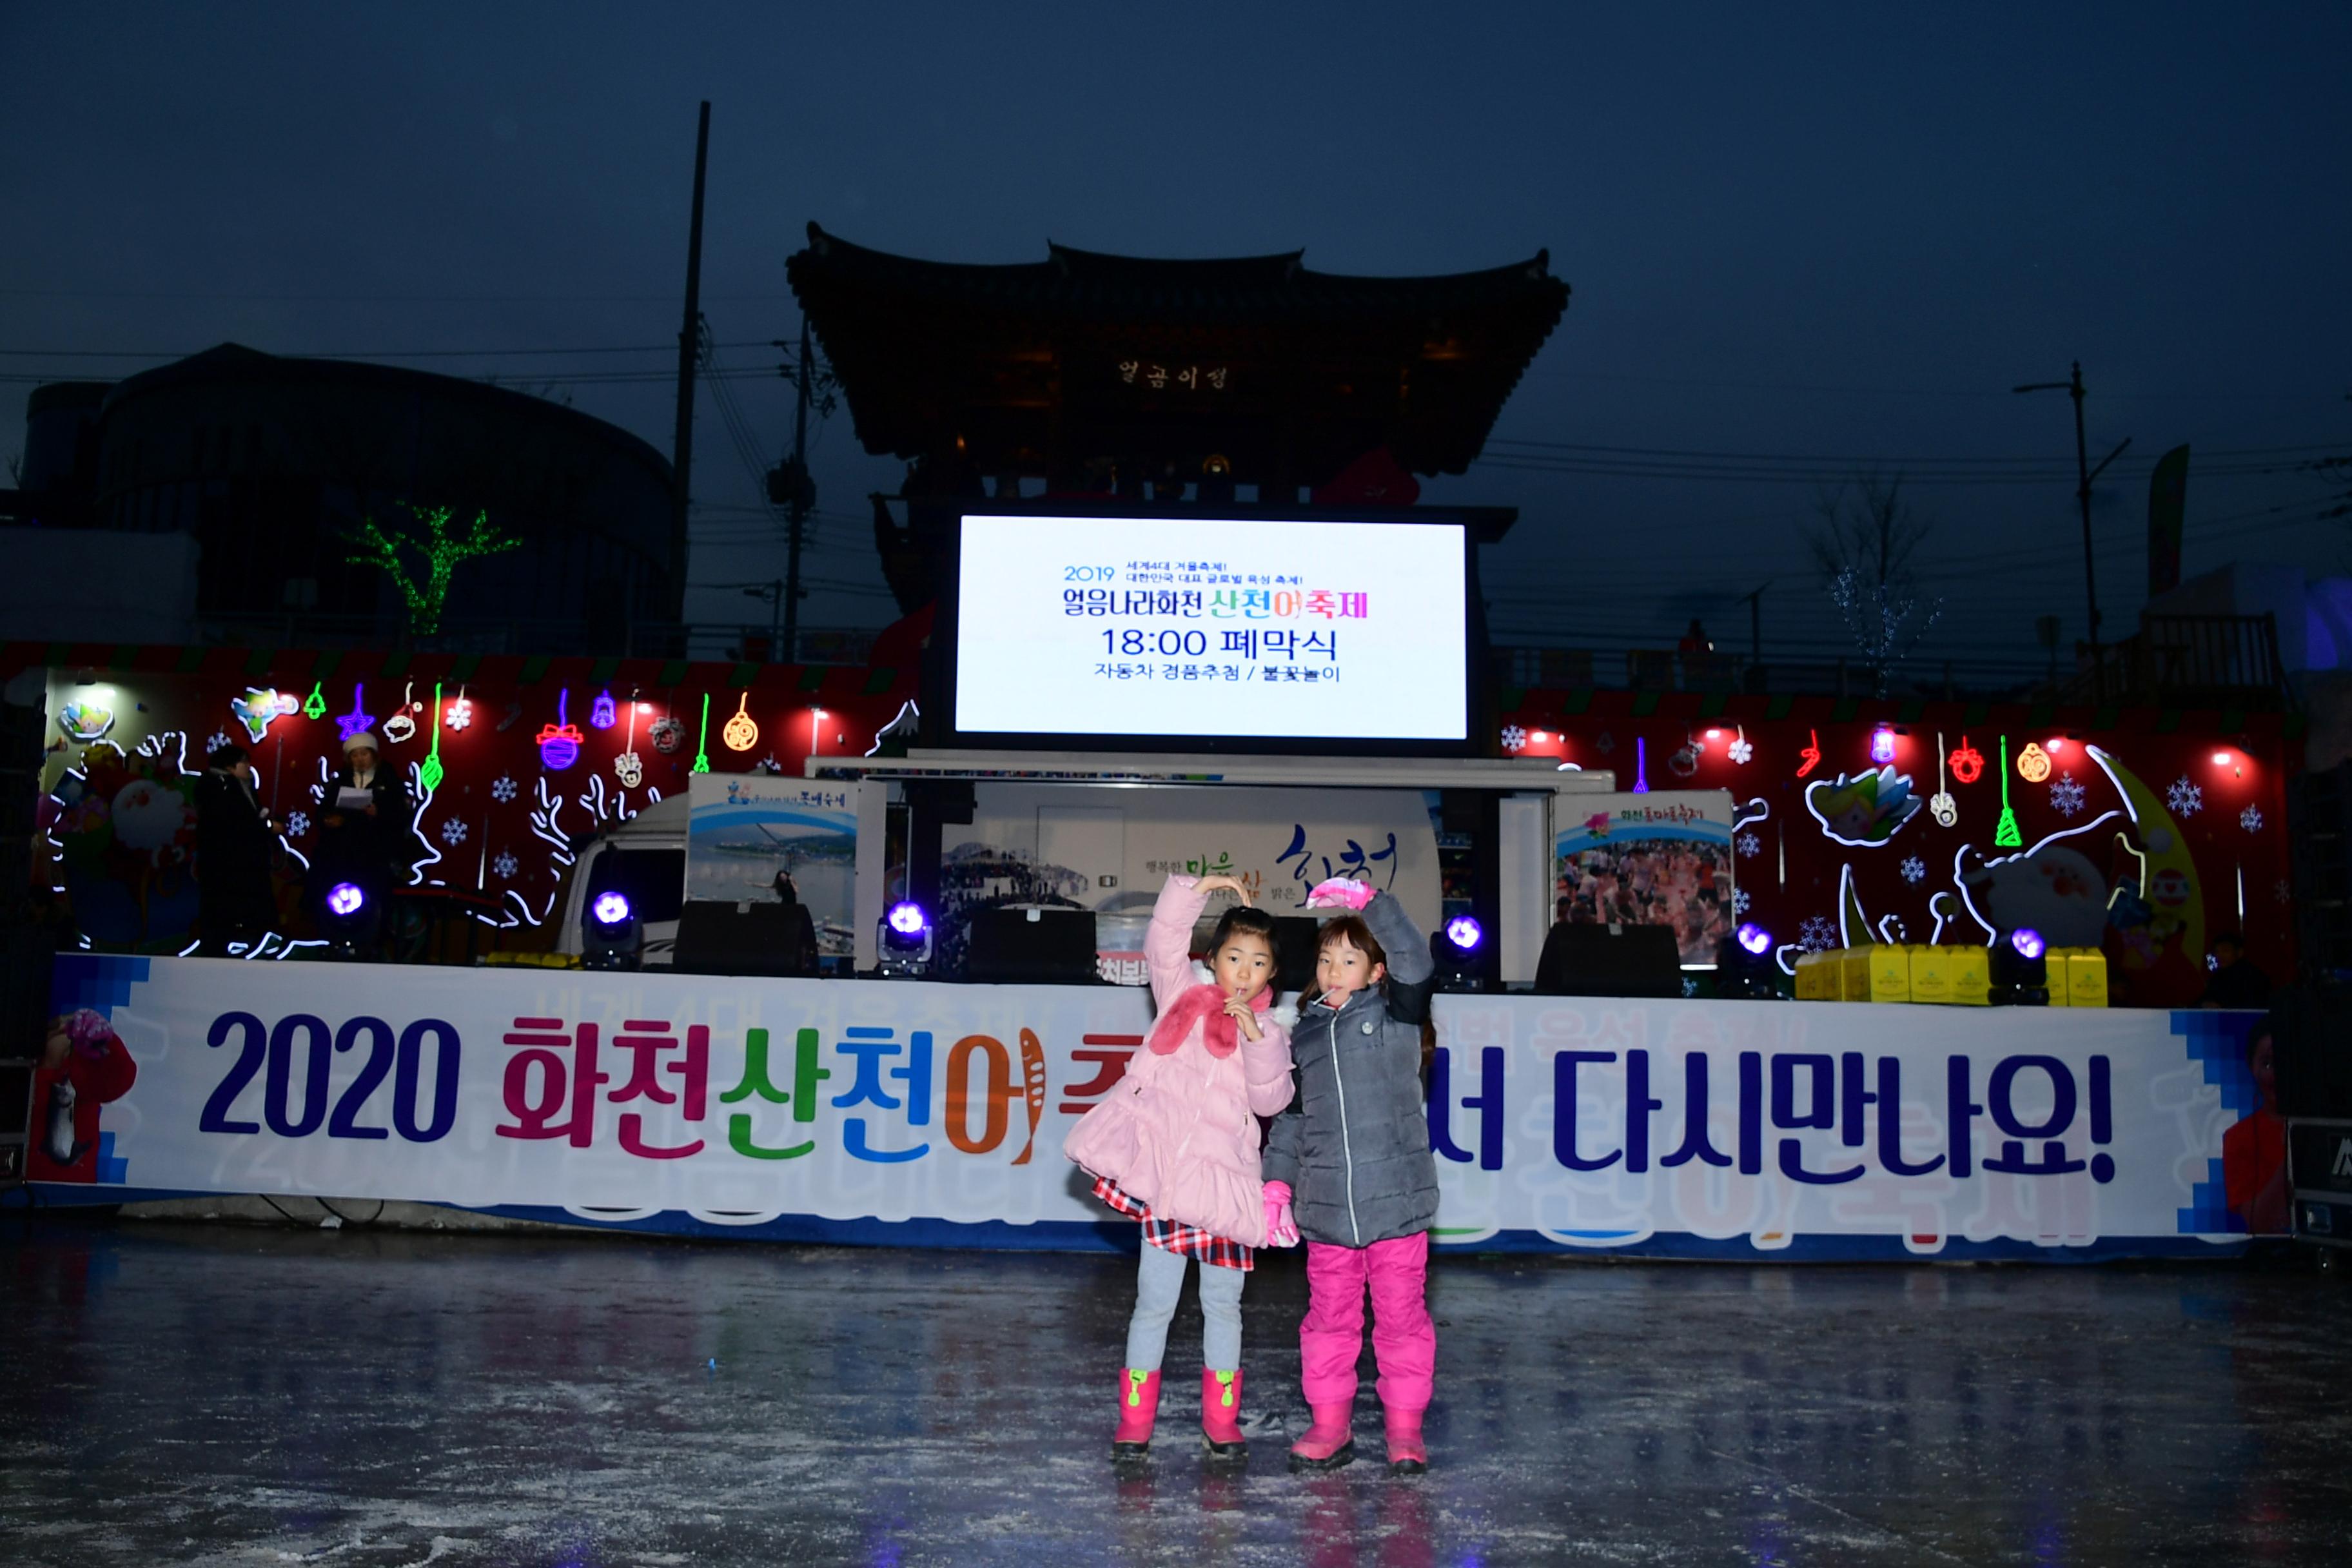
(425, 593)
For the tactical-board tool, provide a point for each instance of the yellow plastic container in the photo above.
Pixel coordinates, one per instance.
(1889, 974)
(1854, 974)
(2087, 978)
(2055, 961)
(1816, 976)
(1971, 976)
(1931, 974)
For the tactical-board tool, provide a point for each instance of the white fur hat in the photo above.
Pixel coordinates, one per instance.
(354, 742)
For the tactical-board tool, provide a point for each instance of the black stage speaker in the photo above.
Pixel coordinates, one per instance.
(718, 938)
(1032, 947)
(1581, 960)
(2311, 1050)
(2319, 840)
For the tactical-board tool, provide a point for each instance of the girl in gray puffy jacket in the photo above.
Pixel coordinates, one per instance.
(1352, 1159)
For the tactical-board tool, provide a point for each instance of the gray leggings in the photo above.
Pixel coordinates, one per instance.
(1159, 1281)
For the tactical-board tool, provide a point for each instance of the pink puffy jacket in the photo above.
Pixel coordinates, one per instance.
(1179, 1132)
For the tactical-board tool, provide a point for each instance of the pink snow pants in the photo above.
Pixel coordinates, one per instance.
(1404, 1341)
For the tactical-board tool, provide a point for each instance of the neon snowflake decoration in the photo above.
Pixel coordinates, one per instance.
(1818, 934)
(220, 739)
(2284, 891)
(1740, 899)
(2185, 798)
(1741, 750)
(1513, 737)
(2251, 819)
(298, 824)
(1915, 871)
(502, 788)
(505, 865)
(453, 832)
(1748, 845)
(2066, 796)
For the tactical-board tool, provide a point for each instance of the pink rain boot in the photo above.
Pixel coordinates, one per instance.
(1329, 1442)
(1139, 1406)
(1221, 1418)
(1408, 1455)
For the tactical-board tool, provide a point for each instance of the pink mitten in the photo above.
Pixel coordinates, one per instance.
(1344, 891)
(1281, 1230)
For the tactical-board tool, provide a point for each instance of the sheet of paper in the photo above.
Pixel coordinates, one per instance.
(349, 799)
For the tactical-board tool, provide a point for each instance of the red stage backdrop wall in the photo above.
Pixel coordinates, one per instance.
(2141, 833)
(534, 755)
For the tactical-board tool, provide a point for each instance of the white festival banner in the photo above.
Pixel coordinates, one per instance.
(1694, 1128)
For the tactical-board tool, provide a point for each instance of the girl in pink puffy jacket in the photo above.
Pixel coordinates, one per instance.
(1175, 1144)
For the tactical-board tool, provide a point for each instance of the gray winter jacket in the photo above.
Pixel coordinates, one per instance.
(1354, 1144)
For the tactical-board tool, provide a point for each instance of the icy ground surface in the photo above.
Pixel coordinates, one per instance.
(221, 1395)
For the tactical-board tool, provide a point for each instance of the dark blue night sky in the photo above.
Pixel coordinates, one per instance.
(1824, 234)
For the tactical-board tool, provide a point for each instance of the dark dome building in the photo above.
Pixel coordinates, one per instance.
(269, 462)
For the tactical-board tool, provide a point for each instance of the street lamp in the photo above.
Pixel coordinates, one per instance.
(2074, 388)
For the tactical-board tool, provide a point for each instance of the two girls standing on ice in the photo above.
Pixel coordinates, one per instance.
(1176, 1145)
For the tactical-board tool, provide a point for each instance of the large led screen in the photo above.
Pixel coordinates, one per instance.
(1212, 628)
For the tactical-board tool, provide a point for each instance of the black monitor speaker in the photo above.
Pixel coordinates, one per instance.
(2311, 1050)
(1593, 960)
(1031, 947)
(765, 938)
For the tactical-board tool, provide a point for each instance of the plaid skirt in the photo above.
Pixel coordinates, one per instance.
(1170, 1236)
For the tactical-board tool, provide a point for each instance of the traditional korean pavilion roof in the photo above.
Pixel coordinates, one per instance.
(1061, 367)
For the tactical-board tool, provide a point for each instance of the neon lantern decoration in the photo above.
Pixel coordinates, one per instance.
(1882, 744)
(559, 743)
(601, 715)
(1811, 754)
(628, 767)
(2006, 834)
(431, 774)
(741, 732)
(2032, 763)
(1967, 763)
(400, 727)
(1940, 804)
(702, 743)
(1641, 765)
(259, 707)
(89, 721)
(315, 705)
(1862, 811)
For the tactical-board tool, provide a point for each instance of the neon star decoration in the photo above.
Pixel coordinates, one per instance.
(559, 743)
(426, 592)
(355, 722)
(741, 733)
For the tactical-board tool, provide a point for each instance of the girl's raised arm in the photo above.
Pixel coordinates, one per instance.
(1168, 944)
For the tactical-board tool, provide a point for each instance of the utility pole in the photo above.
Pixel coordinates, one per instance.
(2085, 474)
(803, 494)
(688, 343)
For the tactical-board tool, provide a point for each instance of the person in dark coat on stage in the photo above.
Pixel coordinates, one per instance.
(372, 844)
(234, 836)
